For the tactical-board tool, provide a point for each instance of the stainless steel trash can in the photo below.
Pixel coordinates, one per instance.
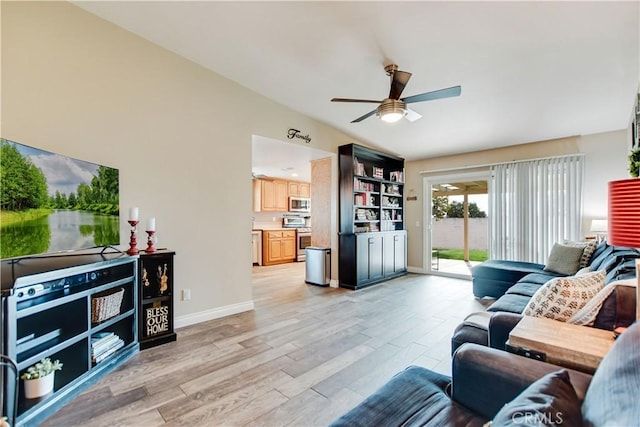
(318, 265)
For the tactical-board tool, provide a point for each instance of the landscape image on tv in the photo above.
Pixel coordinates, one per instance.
(54, 203)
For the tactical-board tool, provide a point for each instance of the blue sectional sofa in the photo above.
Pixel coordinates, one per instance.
(496, 278)
(513, 283)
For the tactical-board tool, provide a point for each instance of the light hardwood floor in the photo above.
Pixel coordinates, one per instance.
(304, 356)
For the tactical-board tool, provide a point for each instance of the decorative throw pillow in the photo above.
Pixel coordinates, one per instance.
(587, 253)
(564, 259)
(587, 314)
(549, 401)
(582, 271)
(562, 297)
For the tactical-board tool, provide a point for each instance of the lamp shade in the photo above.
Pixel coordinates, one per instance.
(624, 213)
(599, 225)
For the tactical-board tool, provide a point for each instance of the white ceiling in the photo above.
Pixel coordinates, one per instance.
(529, 71)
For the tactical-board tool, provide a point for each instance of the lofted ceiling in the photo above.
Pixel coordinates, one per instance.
(529, 71)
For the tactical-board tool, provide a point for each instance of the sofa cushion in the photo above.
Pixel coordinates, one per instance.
(601, 247)
(623, 270)
(561, 298)
(564, 258)
(549, 401)
(510, 303)
(597, 260)
(415, 396)
(493, 278)
(527, 289)
(505, 270)
(612, 396)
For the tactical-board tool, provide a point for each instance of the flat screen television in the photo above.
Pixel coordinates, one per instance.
(52, 203)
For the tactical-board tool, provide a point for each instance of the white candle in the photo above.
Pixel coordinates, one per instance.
(133, 214)
(151, 224)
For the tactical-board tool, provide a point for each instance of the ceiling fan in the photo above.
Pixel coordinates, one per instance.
(394, 108)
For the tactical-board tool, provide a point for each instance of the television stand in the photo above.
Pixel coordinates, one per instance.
(48, 313)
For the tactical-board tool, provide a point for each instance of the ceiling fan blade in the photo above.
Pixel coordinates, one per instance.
(354, 100)
(412, 116)
(399, 80)
(361, 118)
(436, 94)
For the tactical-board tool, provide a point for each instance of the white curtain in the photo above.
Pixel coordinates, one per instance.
(534, 204)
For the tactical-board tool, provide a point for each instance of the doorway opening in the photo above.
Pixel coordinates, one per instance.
(457, 215)
(290, 173)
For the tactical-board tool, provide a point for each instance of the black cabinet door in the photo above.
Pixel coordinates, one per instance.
(400, 253)
(369, 257)
(362, 258)
(376, 257)
(395, 260)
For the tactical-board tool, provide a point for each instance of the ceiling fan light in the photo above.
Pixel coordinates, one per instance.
(391, 117)
(391, 110)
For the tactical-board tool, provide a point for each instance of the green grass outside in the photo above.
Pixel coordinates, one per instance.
(9, 217)
(474, 254)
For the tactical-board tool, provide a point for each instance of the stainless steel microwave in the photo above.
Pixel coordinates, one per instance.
(299, 204)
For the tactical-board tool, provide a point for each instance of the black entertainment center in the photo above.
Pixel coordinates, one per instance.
(47, 312)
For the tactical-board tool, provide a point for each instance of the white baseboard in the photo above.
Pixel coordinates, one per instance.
(216, 313)
(334, 283)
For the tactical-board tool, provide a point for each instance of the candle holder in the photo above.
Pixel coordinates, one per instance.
(150, 246)
(133, 242)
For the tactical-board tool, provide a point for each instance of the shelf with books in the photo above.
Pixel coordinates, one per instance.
(371, 216)
(103, 345)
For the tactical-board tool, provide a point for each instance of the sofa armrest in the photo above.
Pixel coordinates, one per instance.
(484, 379)
(500, 325)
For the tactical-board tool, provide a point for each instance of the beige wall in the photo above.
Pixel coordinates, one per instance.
(605, 160)
(180, 135)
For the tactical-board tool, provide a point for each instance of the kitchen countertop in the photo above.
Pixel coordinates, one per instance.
(272, 229)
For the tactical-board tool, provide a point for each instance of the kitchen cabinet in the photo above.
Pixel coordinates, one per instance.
(299, 189)
(270, 195)
(278, 246)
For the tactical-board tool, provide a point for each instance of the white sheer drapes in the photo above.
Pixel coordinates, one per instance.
(534, 204)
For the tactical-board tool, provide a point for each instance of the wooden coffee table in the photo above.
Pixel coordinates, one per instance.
(572, 346)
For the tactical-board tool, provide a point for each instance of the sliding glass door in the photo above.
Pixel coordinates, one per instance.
(456, 215)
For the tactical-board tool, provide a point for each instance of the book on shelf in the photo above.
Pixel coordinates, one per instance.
(30, 341)
(362, 186)
(103, 342)
(364, 199)
(358, 168)
(101, 339)
(117, 345)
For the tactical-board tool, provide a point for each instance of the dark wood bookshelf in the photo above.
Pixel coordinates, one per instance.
(372, 233)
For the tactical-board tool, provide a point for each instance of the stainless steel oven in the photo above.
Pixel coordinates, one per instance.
(303, 239)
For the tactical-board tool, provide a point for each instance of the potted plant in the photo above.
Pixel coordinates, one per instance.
(634, 162)
(38, 379)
